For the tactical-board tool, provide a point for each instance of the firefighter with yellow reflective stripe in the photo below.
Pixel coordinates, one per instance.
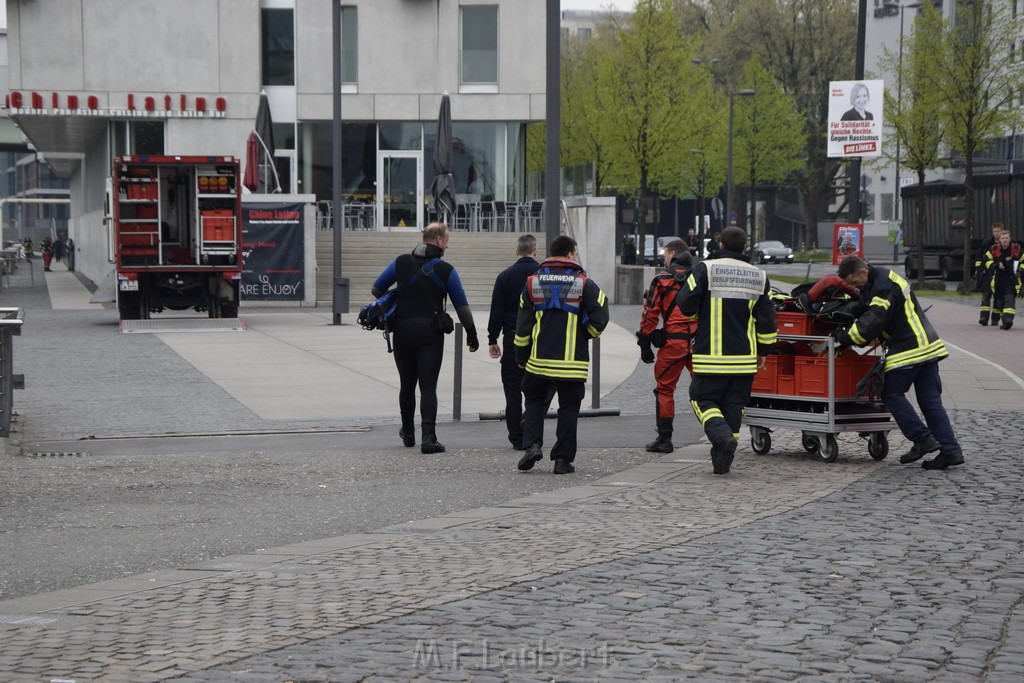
(913, 350)
(560, 311)
(735, 330)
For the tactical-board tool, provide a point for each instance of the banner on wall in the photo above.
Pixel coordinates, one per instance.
(848, 240)
(273, 252)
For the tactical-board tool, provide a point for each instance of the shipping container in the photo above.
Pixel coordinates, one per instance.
(997, 198)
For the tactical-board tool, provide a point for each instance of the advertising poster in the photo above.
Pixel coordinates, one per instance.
(848, 241)
(855, 118)
(273, 246)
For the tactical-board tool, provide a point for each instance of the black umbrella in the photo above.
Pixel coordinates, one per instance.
(264, 129)
(442, 192)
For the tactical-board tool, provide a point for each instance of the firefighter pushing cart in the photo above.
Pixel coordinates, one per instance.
(815, 393)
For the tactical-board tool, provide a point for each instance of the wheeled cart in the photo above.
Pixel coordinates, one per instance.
(809, 403)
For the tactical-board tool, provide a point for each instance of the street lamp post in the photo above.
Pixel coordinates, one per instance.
(899, 106)
(728, 173)
(702, 180)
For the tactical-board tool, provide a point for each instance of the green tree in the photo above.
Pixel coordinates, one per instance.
(583, 122)
(805, 44)
(768, 135)
(913, 112)
(650, 98)
(980, 82)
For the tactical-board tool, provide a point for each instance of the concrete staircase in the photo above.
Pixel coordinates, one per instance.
(478, 256)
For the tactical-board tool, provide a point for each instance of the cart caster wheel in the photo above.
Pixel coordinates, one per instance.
(878, 445)
(760, 440)
(829, 450)
(809, 443)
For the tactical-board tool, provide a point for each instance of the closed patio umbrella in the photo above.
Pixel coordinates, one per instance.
(259, 152)
(442, 192)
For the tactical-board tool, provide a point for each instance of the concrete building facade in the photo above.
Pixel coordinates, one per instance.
(93, 80)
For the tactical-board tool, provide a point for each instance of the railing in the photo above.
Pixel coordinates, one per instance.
(476, 216)
(11, 320)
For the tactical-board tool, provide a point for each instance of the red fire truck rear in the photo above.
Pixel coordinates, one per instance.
(177, 236)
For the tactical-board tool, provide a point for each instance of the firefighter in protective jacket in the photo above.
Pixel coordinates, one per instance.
(913, 351)
(983, 276)
(672, 340)
(735, 330)
(560, 311)
(1002, 263)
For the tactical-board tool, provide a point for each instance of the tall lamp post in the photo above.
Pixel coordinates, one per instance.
(728, 173)
(702, 180)
(899, 106)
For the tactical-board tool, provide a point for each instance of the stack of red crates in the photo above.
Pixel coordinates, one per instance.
(789, 374)
(218, 225)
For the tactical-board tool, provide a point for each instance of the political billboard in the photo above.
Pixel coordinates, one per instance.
(855, 118)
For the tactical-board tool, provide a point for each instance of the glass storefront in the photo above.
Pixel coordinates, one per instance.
(489, 158)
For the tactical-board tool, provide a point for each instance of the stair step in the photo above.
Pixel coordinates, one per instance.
(478, 258)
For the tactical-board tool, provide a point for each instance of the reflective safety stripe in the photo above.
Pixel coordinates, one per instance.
(727, 365)
(933, 351)
(522, 341)
(704, 416)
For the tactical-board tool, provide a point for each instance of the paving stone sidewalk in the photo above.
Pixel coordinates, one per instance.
(902, 575)
(787, 567)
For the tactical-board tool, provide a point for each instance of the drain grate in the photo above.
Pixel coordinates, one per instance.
(55, 454)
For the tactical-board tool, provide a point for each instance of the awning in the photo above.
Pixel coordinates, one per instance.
(62, 140)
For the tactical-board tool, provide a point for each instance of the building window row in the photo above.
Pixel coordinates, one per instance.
(478, 46)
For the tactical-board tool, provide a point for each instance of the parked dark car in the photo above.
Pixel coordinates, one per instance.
(771, 251)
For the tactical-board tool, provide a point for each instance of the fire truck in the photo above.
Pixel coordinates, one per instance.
(176, 237)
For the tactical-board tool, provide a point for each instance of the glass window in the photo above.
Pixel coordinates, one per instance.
(349, 45)
(401, 136)
(136, 137)
(278, 46)
(358, 160)
(886, 202)
(480, 44)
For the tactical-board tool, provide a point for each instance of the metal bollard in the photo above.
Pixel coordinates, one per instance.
(457, 392)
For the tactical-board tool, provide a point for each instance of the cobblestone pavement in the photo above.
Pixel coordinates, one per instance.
(902, 575)
(786, 569)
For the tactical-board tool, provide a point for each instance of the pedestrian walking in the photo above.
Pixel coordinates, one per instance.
(1002, 261)
(561, 310)
(27, 247)
(508, 288)
(628, 250)
(58, 249)
(983, 278)
(419, 327)
(691, 242)
(913, 351)
(71, 255)
(672, 339)
(46, 249)
(735, 330)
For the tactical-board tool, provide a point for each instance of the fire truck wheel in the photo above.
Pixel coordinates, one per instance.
(229, 310)
(128, 312)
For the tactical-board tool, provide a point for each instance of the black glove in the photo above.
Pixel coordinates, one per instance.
(646, 353)
(644, 342)
(841, 338)
(471, 340)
